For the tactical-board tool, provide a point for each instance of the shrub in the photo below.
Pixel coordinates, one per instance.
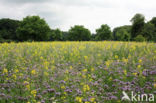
(139, 38)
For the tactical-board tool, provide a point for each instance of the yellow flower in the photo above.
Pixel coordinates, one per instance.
(83, 76)
(79, 73)
(63, 87)
(33, 72)
(140, 61)
(129, 56)
(63, 97)
(90, 80)
(65, 93)
(21, 74)
(5, 71)
(125, 60)
(92, 99)
(125, 72)
(26, 82)
(107, 63)
(99, 55)
(46, 74)
(92, 69)
(33, 92)
(86, 88)
(14, 76)
(41, 58)
(139, 66)
(110, 78)
(70, 67)
(134, 74)
(81, 83)
(154, 85)
(66, 79)
(46, 64)
(27, 85)
(84, 70)
(66, 71)
(16, 70)
(79, 99)
(86, 58)
(52, 61)
(116, 57)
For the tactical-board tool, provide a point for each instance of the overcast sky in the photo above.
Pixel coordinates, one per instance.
(91, 13)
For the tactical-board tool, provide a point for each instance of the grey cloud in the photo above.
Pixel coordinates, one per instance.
(23, 1)
(91, 13)
(93, 3)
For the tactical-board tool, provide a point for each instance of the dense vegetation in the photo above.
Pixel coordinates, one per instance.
(76, 72)
(34, 28)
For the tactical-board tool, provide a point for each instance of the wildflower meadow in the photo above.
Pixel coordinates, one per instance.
(76, 72)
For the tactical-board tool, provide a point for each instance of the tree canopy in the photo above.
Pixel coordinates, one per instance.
(138, 22)
(33, 28)
(103, 33)
(122, 33)
(8, 29)
(79, 33)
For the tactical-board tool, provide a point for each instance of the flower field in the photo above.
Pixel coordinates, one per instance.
(75, 72)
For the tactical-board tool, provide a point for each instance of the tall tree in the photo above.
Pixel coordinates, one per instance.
(153, 21)
(149, 32)
(65, 35)
(138, 22)
(79, 33)
(8, 28)
(33, 28)
(122, 33)
(104, 32)
(56, 35)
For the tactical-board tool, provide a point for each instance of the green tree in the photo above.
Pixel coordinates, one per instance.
(65, 35)
(79, 33)
(149, 32)
(8, 29)
(138, 22)
(153, 21)
(56, 35)
(33, 28)
(122, 33)
(104, 33)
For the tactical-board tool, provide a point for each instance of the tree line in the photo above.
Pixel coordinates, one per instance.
(34, 28)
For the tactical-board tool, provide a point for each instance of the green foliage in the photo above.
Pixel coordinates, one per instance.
(33, 28)
(122, 33)
(138, 22)
(65, 35)
(153, 21)
(8, 29)
(149, 31)
(79, 33)
(93, 37)
(104, 33)
(139, 38)
(56, 35)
